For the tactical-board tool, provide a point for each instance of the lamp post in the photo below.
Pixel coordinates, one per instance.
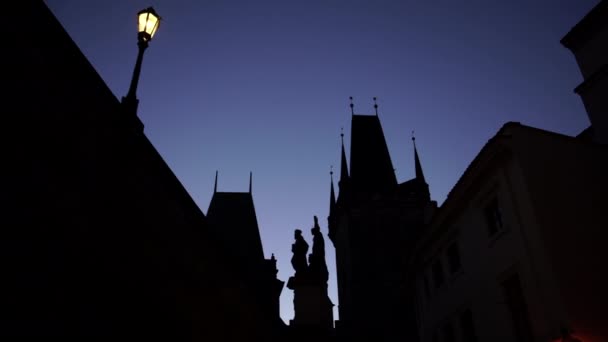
(147, 24)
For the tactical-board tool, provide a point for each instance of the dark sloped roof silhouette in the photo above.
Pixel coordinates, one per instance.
(592, 22)
(232, 216)
(370, 163)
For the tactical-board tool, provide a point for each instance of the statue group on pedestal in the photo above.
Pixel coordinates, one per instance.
(312, 306)
(313, 270)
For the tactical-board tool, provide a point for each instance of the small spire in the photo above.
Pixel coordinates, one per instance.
(343, 164)
(352, 106)
(418, 165)
(250, 180)
(215, 185)
(376, 105)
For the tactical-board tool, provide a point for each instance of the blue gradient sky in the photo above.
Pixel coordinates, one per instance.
(263, 86)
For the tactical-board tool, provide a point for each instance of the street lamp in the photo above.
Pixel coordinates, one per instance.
(147, 24)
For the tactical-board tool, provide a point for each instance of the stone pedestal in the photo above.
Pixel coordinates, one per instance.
(312, 306)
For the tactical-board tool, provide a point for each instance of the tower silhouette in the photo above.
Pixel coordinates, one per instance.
(373, 224)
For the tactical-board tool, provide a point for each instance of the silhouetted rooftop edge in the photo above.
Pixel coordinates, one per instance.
(503, 133)
(579, 34)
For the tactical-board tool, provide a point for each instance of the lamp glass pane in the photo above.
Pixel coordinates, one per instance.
(152, 25)
(142, 21)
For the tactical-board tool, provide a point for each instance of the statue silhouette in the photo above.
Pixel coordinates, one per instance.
(299, 250)
(318, 267)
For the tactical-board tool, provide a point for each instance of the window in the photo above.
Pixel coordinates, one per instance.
(437, 274)
(516, 304)
(454, 258)
(467, 328)
(493, 217)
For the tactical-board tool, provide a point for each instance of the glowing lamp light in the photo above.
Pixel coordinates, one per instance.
(148, 22)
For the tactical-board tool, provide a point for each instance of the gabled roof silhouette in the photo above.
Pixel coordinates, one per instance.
(371, 169)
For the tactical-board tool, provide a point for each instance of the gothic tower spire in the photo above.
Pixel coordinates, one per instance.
(419, 173)
(343, 165)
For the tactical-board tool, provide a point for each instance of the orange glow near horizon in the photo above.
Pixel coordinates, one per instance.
(580, 337)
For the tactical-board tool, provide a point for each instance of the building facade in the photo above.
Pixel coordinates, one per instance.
(516, 251)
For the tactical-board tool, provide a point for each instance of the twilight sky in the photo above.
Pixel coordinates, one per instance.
(263, 86)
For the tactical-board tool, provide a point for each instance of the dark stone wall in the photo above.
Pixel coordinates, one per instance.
(99, 240)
